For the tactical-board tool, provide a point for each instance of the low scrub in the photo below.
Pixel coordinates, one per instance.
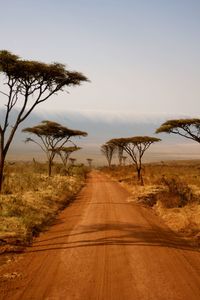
(177, 192)
(171, 189)
(30, 202)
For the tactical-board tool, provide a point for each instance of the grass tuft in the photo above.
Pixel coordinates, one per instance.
(171, 189)
(31, 200)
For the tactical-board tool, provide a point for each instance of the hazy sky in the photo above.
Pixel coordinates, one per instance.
(142, 56)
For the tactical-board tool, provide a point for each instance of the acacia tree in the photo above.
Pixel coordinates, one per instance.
(52, 137)
(135, 147)
(188, 128)
(72, 160)
(65, 152)
(25, 85)
(89, 160)
(108, 151)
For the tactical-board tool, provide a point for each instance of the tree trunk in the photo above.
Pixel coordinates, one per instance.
(109, 163)
(4, 146)
(139, 175)
(2, 160)
(49, 167)
(2, 163)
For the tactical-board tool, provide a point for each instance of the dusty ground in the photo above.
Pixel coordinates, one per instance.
(103, 247)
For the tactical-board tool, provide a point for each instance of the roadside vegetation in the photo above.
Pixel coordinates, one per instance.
(171, 189)
(31, 200)
(26, 84)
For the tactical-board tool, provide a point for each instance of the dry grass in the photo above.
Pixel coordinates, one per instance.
(31, 200)
(172, 190)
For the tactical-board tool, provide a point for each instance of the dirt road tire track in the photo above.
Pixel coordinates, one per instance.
(102, 247)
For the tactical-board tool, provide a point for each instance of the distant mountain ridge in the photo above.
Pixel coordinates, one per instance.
(102, 127)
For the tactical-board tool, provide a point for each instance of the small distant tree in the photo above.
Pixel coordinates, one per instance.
(135, 147)
(72, 160)
(187, 128)
(26, 84)
(52, 137)
(89, 160)
(65, 152)
(108, 151)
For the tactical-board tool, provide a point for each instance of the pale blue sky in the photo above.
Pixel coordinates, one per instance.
(141, 56)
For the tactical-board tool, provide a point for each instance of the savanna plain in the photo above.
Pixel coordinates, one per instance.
(97, 233)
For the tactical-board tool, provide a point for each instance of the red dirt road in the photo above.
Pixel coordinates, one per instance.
(102, 247)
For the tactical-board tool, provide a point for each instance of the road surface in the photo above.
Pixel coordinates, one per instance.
(103, 247)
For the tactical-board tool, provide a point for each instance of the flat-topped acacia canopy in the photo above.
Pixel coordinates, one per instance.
(53, 130)
(30, 72)
(188, 128)
(69, 149)
(134, 140)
